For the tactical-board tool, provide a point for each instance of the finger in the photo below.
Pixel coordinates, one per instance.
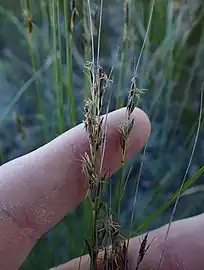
(38, 189)
(184, 248)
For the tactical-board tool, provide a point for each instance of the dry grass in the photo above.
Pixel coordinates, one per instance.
(106, 236)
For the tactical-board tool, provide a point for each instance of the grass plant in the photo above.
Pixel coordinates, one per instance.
(75, 78)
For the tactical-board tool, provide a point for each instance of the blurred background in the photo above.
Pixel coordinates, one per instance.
(43, 85)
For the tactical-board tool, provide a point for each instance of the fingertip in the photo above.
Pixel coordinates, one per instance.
(140, 132)
(142, 124)
(136, 140)
(141, 128)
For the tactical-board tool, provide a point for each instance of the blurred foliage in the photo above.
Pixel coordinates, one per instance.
(171, 69)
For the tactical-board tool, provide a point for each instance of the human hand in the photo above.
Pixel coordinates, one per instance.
(184, 248)
(37, 190)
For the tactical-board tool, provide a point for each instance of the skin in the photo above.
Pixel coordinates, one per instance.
(38, 189)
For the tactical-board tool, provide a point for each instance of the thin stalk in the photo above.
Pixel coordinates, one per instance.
(135, 195)
(170, 68)
(92, 125)
(185, 175)
(145, 38)
(99, 32)
(92, 39)
(87, 51)
(150, 219)
(70, 87)
(29, 27)
(134, 96)
(106, 228)
(123, 53)
(56, 68)
(188, 86)
(62, 113)
(121, 183)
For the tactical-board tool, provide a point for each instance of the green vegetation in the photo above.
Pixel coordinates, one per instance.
(45, 89)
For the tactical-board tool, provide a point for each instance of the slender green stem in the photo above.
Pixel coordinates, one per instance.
(70, 87)
(185, 98)
(119, 101)
(149, 220)
(87, 51)
(34, 67)
(56, 68)
(62, 114)
(121, 184)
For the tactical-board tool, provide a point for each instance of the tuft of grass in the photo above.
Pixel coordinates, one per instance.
(104, 230)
